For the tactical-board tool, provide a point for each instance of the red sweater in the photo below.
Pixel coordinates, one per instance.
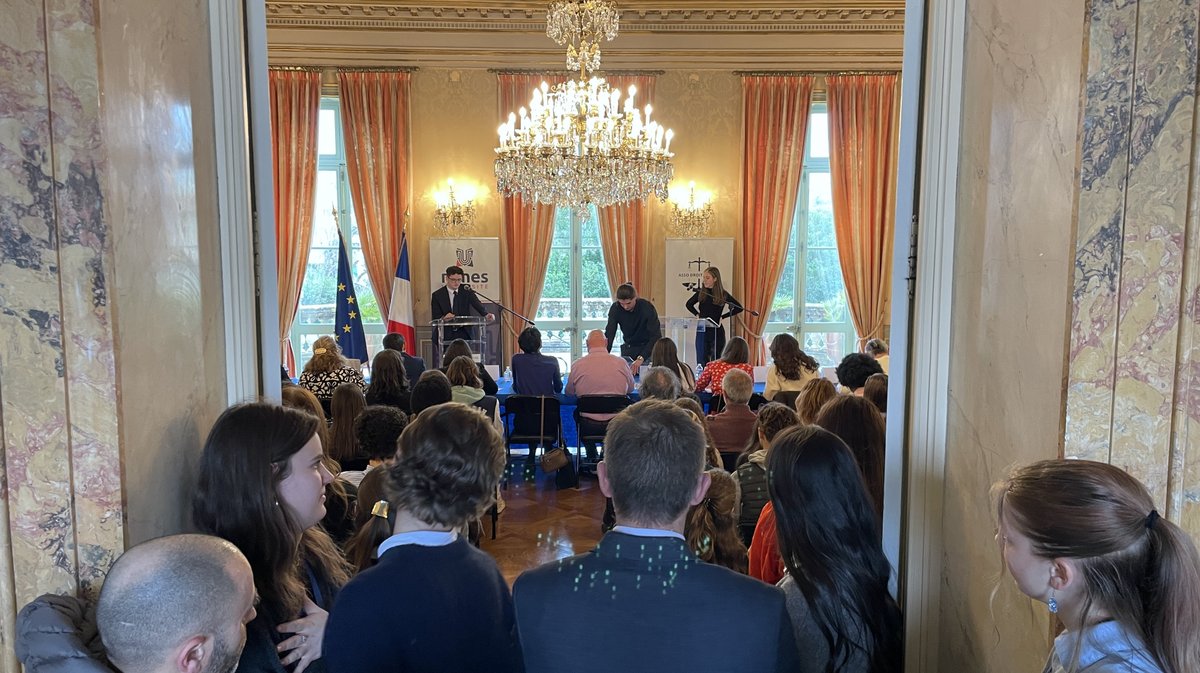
(765, 562)
(714, 372)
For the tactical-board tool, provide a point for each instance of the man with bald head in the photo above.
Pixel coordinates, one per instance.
(598, 373)
(178, 603)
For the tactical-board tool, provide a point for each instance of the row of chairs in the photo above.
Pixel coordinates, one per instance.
(533, 420)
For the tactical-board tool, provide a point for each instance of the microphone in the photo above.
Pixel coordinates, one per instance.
(465, 286)
(753, 312)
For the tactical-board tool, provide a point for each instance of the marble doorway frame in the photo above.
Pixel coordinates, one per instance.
(246, 216)
(935, 36)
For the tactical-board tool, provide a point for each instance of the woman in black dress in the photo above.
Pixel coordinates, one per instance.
(713, 302)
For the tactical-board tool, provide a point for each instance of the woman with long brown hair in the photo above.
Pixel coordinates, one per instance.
(790, 368)
(665, 354)
(389, 382)
(859, 424)
(348, 403)
(712, 303)
(262, 487)
(1086, 539)
(710, 527)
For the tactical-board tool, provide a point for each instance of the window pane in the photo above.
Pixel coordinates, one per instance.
(824, 289)
(562, 228)
(594, 280)
(327, 132)
(820, 212)
(318, 294)
(818, 138)
(362, 288)
(589, 229)
(556, 292)
(783, 309)
(324, 230)
(827, 348)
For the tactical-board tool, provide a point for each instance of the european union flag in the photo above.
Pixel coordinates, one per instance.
(348, 328)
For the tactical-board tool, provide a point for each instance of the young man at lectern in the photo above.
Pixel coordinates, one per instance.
(454, 299)
(638, 321)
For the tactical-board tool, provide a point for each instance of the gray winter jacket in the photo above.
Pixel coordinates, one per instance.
(56, 634)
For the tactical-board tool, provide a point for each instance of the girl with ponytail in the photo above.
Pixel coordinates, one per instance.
(711, 527)
(1084, 537)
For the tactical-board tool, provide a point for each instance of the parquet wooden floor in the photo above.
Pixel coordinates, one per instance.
(541, 524)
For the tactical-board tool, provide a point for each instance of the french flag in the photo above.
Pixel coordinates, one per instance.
(400, 312)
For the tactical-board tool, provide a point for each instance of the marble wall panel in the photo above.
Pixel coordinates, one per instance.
(1161, 137)
(32, 376)
(85, 268)
(1132, 397)
(1104, 162)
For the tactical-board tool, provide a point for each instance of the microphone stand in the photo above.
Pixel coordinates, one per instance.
(503, 309)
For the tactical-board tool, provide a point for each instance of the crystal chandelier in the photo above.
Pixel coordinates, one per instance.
(691, 212)
(578, 143)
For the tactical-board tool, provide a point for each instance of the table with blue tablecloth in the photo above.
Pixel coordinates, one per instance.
(567, 408)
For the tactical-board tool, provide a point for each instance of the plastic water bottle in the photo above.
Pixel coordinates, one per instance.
(507, 374)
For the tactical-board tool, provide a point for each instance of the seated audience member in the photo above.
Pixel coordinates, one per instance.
(327, 369)
(348, 403)
(172, 604)
(620, 607)
(466, 388)
(432, 389)
(765, 562)
(812, 397)
(413, 365)
(712, 457)
(389, 381)
(855, 369)
(710, 527)
(1085, 538)
(861, 427)
(532, 372)
(875, 391)
(878, 349)
(459, 348)
(433, 602)
(659, 383)
(791, 367)
(285, 376)
(377, 430)
(598, 373)
(735, 356)
(340, 496)
(731, 428)
(261, 486)
(751, 472)
(837, 575)
(666, 354)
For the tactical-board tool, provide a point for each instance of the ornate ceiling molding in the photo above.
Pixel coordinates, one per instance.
(760, 17)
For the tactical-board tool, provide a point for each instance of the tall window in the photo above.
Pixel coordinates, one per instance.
(318, 295)
(810, 302)
(575, 296)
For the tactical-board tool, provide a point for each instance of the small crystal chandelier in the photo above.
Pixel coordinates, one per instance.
(691, 212)
(578, 143)
(453, 217)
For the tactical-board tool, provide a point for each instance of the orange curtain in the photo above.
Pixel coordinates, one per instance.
(376, 132)
(863, 119)
(775, 117)
(623, 226)
(295, 104)
(528, 229)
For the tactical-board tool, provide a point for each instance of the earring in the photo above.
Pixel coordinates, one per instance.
(1052, 603)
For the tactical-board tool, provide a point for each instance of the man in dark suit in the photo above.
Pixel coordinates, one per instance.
(454, 300)
(641, 600)
(413, 365)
